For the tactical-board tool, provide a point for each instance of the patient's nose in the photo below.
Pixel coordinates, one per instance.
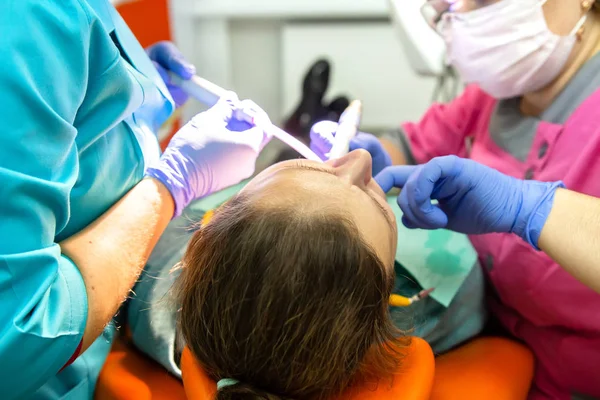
(354, 168)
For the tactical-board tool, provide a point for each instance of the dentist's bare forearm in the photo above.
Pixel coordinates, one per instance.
(396, 154)
(571, 236)
(112, 251)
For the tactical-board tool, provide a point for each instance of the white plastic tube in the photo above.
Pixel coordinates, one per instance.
(208, 93)
(347, 129)
(291, 141)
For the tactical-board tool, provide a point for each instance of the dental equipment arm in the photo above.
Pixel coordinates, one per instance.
(425, 50)
(208, 93)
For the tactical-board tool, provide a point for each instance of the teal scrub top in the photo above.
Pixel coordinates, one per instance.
(80, 104)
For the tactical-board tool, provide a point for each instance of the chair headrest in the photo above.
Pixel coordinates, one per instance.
(412, 381)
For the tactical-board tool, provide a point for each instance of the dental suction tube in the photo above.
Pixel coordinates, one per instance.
(347, 130)
(209, 94)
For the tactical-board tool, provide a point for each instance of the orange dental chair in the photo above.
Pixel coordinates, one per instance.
(485, 368)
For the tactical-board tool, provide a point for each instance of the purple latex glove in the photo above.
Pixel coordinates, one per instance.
(322, 137)
(472, 198)
(167, 58)
(211, 152)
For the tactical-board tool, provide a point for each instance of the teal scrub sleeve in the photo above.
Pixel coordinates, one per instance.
(43, 77)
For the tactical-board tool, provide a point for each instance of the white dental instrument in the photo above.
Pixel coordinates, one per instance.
(347, 129)
(208, 93)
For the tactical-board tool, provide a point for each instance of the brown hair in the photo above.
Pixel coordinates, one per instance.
(291, 304)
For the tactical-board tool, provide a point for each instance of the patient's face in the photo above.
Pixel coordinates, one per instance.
(344, 184)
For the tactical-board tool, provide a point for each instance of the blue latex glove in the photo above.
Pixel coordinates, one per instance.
(322, 136)
(473, 198)
(167, 58)
(211, 152)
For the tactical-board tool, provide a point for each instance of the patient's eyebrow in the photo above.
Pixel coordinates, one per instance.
(368, 193)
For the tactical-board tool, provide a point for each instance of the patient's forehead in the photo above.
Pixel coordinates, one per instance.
(302, 189)
(313, 193)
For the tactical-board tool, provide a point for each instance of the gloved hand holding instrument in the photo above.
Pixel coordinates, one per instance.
(233, 134)
(216, 149)
(208, 93)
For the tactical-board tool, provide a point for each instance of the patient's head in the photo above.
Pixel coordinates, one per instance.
(286, 288)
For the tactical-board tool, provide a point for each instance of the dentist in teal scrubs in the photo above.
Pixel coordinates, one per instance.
(84, 191)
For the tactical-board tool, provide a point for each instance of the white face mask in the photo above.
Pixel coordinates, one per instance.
(506, 48)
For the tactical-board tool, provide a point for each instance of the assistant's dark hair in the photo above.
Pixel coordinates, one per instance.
(292, 304)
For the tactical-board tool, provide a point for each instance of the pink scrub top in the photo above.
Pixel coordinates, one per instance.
(535, 299)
